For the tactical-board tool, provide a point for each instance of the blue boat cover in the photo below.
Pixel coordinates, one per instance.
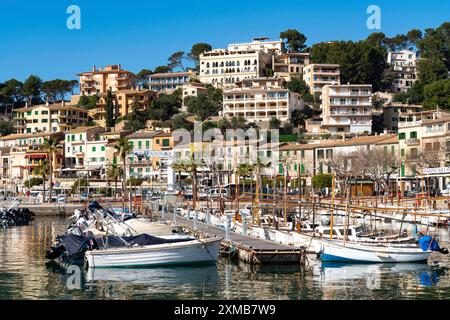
(425, 245)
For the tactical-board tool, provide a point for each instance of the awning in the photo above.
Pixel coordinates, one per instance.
(36, 156)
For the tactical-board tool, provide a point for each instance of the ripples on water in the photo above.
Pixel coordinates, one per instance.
(24, 274)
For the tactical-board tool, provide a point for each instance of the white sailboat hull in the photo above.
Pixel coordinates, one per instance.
(358, 253)
(180, 253)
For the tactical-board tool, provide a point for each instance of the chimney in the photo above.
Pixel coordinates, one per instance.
(63, 103)
(26, 104)
(93, 68)
(46, 103)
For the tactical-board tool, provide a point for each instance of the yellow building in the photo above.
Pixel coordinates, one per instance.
(290, 65)
(49, 118)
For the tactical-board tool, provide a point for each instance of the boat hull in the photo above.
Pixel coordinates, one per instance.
(180, 253)
(330, 252)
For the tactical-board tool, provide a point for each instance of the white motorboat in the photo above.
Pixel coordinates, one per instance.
(176, 253)
(357, 252)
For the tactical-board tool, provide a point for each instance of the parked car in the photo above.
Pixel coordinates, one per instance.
(84, 196)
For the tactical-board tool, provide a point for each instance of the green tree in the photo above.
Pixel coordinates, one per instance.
(196, 50)
(114, 172)
(51, 146)
(142, 77)
(162, 69)
(274, 123)
(109, 110)
(294, 40)
(12, 91)
(321, 181)
(79, 185)
(56, 90)
(431, 69)
(205, 104)
(88, 102)
(437, 94)
(176, 60)
(32, 88)
(7, 126)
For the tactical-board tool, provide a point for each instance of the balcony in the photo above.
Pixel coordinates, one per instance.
(412, 142)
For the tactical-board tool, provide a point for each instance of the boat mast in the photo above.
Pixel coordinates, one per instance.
(332, 206)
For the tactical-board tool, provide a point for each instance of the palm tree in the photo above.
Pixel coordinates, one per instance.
(123, 148)
(243, 170)
(178, 167)
(191, 166)
(42, 170)
(257, 170)
(51, 146)
(114, 172)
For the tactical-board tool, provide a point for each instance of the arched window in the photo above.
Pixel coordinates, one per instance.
(238, 63)
(256, 62)
(238, 70)
(207, 65)
(221, 64)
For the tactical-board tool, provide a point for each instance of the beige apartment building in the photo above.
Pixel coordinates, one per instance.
(393, 110)
(347, 108)
(258, 100)
(290, 65)
(101, 80)
(49, 118)
(404, 66)
(125, 101)
(317, 76)
(425, 147)
(168, 82)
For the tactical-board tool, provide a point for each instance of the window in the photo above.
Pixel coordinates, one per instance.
(147, 144)
(102, 148)
(320, 154)
(413, 134)
(94, 149)
(166, 142)
(402, 152)
(157, 141)
(401, 135)
(139, 144)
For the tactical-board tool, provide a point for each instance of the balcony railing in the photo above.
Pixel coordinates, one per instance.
(412, 142)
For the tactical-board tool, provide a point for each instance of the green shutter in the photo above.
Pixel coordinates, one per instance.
(302, 168)
(280, 168)
(147, 144)
(295, 167)
(102, 148)
(402, 152)
(403, 170)
(139, 145)
(94, 149)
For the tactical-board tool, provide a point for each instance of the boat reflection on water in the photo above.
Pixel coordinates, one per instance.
(374, 274)
(170, 276)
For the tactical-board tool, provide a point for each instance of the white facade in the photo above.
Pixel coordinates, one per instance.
(347, 108)
(223, 68)
(404, 66)
(85, 149)
(260, 101)
(263, 44)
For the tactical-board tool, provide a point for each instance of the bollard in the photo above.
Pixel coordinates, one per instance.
(208, 217)
(195, 219)
(227, 227)
(244, 222)
(174, 216)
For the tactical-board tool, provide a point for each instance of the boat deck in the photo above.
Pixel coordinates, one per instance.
(249, 249)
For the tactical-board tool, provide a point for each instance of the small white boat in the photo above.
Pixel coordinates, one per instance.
(176, 253)
(356, 252)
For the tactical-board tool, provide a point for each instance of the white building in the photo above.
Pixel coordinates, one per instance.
(85, 149)
(404, 66)
(347, 108)
(263, 43)
(261, 99)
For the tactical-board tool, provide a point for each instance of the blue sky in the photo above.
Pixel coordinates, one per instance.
(143, 33)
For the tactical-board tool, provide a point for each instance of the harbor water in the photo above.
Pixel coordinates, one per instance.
(25, 274)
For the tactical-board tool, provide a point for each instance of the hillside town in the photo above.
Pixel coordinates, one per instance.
(121, 125)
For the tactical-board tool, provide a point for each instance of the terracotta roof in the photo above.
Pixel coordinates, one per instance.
(54, 106)
(143, 134)
(30, 135)
(172, 74)
(83, 129)
(357, 141)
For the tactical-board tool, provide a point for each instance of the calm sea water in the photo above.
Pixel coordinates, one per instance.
(24, 274)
